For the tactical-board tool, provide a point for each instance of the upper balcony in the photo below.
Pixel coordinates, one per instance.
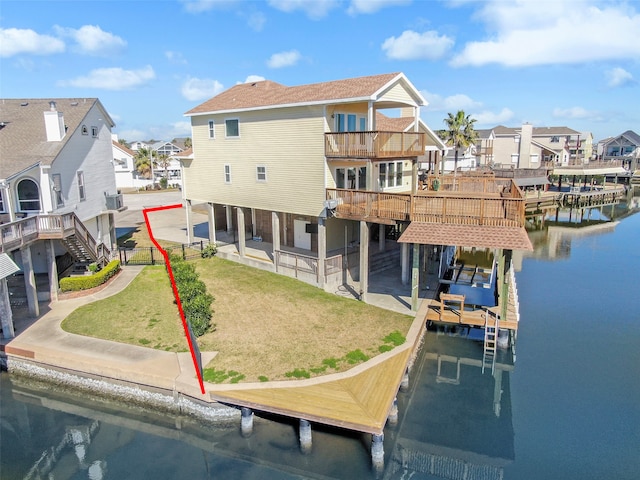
(374, 144)
(482, 200)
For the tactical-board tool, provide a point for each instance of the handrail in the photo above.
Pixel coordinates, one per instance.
(22, 232)
(374, 144)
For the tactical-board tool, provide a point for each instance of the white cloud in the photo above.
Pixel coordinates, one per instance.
(283, 59)
(523, 34)
(256, 21)
(619, 77)
(576, 113)
(491, 119)
(314, 9)
(451, 103)
(132, 135)
(112, 78)
(253, 78)
(15, 41)
(92, 40)
(194, 89)
(199, 6)
(372, 6)
(412, 46)
(175, 57)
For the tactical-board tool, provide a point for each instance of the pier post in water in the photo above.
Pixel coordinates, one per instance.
(305, 436)
(377, 452)
(246, 422)
(404, 383)
(393, 413)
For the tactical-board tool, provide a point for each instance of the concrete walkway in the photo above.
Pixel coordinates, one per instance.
(46, 343)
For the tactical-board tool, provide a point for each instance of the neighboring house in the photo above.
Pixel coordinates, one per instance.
(165, 148)
(484, 148)
(138, 145)
(625, 147)
(57, 185)
(312, 169)
(124, 166)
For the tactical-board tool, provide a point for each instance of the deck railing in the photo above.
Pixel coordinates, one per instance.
(42, 227)
(374, 144)
(501, 205)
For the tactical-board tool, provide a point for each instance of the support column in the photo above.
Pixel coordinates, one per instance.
(404, 259)
(393, 414)
(246, 422)
(6, 315)
(415, 277)
(404, 383)
(254, 229)
(189, 221)
(229, 213)
(30, 281)
(382, 228)
(322, 251)
(242, 248)
(364, 260)
(212, 222)
(275, 232)
(504, 291)
(377, 452)
(305, 436)
(52, 269)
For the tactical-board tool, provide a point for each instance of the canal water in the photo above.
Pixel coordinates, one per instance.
(567, 407)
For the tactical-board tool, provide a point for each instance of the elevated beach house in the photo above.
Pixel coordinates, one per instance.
(320, 171)
(57, 188)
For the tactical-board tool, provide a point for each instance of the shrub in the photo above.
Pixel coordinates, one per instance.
(75, 284)
(209, 251)
(163, 183)
(196, 302)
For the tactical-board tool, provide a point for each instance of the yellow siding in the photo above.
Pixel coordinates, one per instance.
(398, 93)
(289, 142)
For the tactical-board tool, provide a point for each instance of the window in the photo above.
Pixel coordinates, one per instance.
(28, 196)
(232, 127)
(534, 158)
(353, 178)
(261, 173)
(1, 203)
(390, 174)
(85, 130)
(227, 174)
(57, 189)
(212, 132)
(94, 132)
(81, 191)
(350, 122)
(555, 139)
(514, 158)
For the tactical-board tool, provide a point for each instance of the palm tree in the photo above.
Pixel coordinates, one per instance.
(187, 142)
(459, 133)
(163, 161)
(145, 160)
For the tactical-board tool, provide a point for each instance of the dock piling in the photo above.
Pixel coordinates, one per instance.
(377, 452)
(305, 436)
(246, 422)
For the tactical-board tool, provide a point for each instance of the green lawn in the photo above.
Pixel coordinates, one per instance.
(267, 326)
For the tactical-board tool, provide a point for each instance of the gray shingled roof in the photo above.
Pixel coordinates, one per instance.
(267, 93)
(23, 138)
(7, 266)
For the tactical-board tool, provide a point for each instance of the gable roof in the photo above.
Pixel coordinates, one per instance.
(23, 138)
(123, 148)
(536, 131)
(630, 135)
(266, 94)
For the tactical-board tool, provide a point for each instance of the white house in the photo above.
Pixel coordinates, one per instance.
(57, 186)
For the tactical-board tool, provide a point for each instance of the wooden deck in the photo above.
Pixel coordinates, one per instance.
(359, 399)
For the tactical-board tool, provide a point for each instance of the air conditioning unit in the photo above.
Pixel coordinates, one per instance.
(331, 204)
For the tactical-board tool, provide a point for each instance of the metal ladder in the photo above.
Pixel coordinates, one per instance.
(491, 325)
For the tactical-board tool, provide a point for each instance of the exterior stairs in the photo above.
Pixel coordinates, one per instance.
(385, 260)
(80, 251)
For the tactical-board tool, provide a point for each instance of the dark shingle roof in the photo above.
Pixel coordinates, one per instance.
(23, 138)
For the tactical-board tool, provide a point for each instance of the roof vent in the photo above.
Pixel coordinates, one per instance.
(24, 104)
(52, 106)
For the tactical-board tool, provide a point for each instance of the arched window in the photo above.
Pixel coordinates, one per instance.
(28, 196)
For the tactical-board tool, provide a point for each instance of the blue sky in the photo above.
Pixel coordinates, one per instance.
(573, 63)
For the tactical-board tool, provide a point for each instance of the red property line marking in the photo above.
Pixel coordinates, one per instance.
(173, 286)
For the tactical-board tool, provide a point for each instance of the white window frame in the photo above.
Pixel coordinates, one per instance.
(94, 132)
(393, 174)
(342, 120)
(82, 193)
(356, 177)
(226, 127)
(2, 207)
(227, 174)
(21, 201)
(212, 129)
(56, 178)
(535, 158)
(515, 157)
(263, 173)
